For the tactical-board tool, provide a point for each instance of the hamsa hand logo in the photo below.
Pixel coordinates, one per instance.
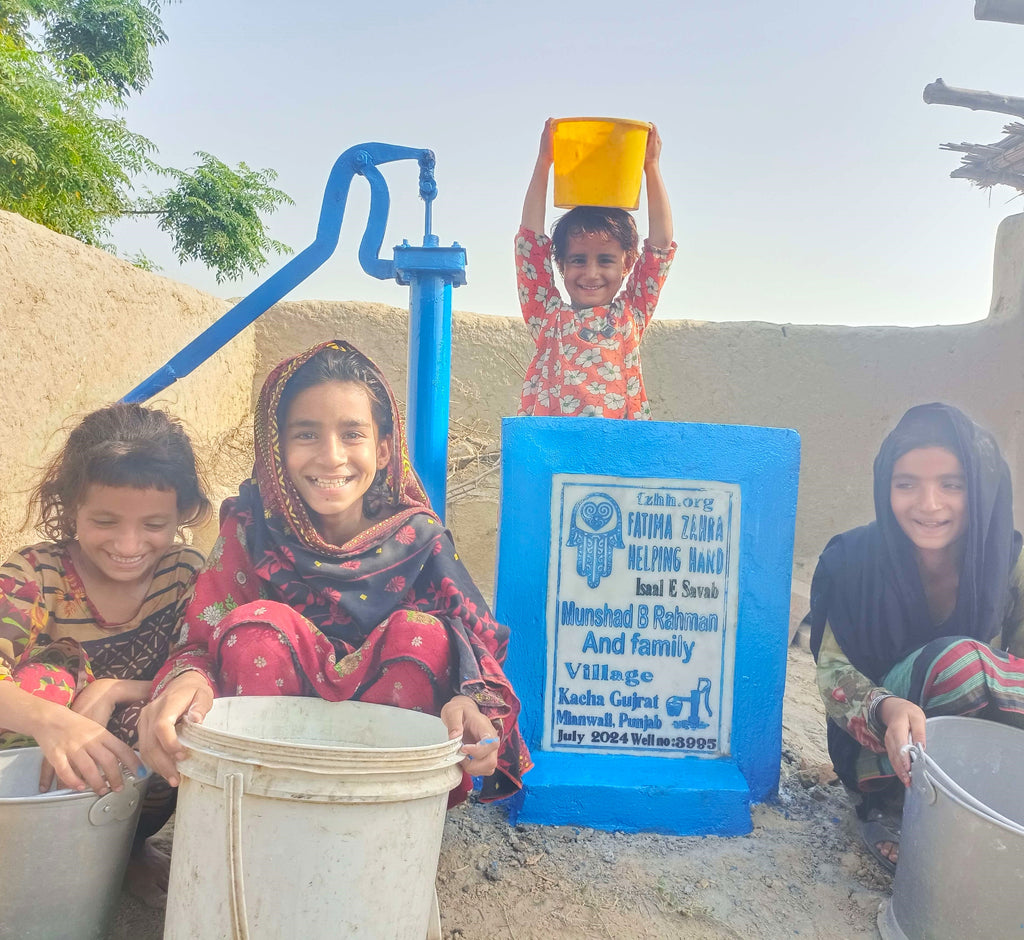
(595, 530)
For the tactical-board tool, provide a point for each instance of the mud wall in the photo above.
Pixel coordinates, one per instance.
(843, 388)
(81, 328)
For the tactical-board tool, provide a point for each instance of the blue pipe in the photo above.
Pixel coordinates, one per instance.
(430, 272)
(430, 366)
(362, 160)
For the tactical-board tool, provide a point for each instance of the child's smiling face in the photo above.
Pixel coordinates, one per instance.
(123, 532)
(332, 450)
(594, 268)
(929, 498)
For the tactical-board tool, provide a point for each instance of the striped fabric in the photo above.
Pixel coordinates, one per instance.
(952, 675)
(53, 640)
(966, 676)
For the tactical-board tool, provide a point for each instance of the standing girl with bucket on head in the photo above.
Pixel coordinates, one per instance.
(920, 612)
(87, 617)
(587, 361)
(333, 577)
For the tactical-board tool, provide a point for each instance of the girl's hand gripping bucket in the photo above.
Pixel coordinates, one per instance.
(598, 161)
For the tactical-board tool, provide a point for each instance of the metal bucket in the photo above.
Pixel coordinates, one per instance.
(961, 863)
(62, 853)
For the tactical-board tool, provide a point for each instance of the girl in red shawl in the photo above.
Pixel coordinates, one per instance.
(333, 577)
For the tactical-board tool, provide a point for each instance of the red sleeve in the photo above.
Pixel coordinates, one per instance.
(228, 581)
(645, 282)
(538, 296)
(23, 613)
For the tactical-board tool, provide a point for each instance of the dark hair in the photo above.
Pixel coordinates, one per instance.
(595, 220)
(332, 364)
(121, 445)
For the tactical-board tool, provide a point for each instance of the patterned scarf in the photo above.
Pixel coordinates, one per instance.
(345, 590)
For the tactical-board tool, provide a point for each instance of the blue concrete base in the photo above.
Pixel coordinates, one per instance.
(683, 797)
(649, 792)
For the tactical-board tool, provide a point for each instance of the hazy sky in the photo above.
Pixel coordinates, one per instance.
(802, 164)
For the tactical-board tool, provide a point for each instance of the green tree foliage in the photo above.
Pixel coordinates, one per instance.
(64, 165)
(67, 158)
(108, 38)
(213, 215)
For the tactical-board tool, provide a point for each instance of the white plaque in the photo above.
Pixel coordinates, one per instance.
(641, 615)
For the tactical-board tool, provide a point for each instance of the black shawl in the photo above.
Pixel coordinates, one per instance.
(867, 586)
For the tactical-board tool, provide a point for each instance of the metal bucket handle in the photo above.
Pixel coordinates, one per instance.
(117, 805)
(932, 773)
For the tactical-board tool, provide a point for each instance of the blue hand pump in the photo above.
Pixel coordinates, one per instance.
(430, 271)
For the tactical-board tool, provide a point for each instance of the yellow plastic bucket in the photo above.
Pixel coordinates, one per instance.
(598, 161)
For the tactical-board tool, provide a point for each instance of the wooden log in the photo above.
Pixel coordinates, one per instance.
(984, 177)
(1000, 11)
(938, 92)
(980, 150)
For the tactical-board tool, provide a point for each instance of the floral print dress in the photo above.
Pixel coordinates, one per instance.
(392, 617)
(587, 361)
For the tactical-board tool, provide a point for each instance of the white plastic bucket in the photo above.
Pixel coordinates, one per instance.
(961, 864)
(304, 818)
(62, 853)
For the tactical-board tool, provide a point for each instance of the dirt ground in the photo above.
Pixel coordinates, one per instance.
(801, 872)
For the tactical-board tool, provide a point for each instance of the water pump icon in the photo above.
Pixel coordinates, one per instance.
(674, 705)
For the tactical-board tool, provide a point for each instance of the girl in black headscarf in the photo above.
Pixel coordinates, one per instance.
(919, 612)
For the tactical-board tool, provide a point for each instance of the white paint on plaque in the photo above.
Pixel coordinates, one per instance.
(641, 615)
